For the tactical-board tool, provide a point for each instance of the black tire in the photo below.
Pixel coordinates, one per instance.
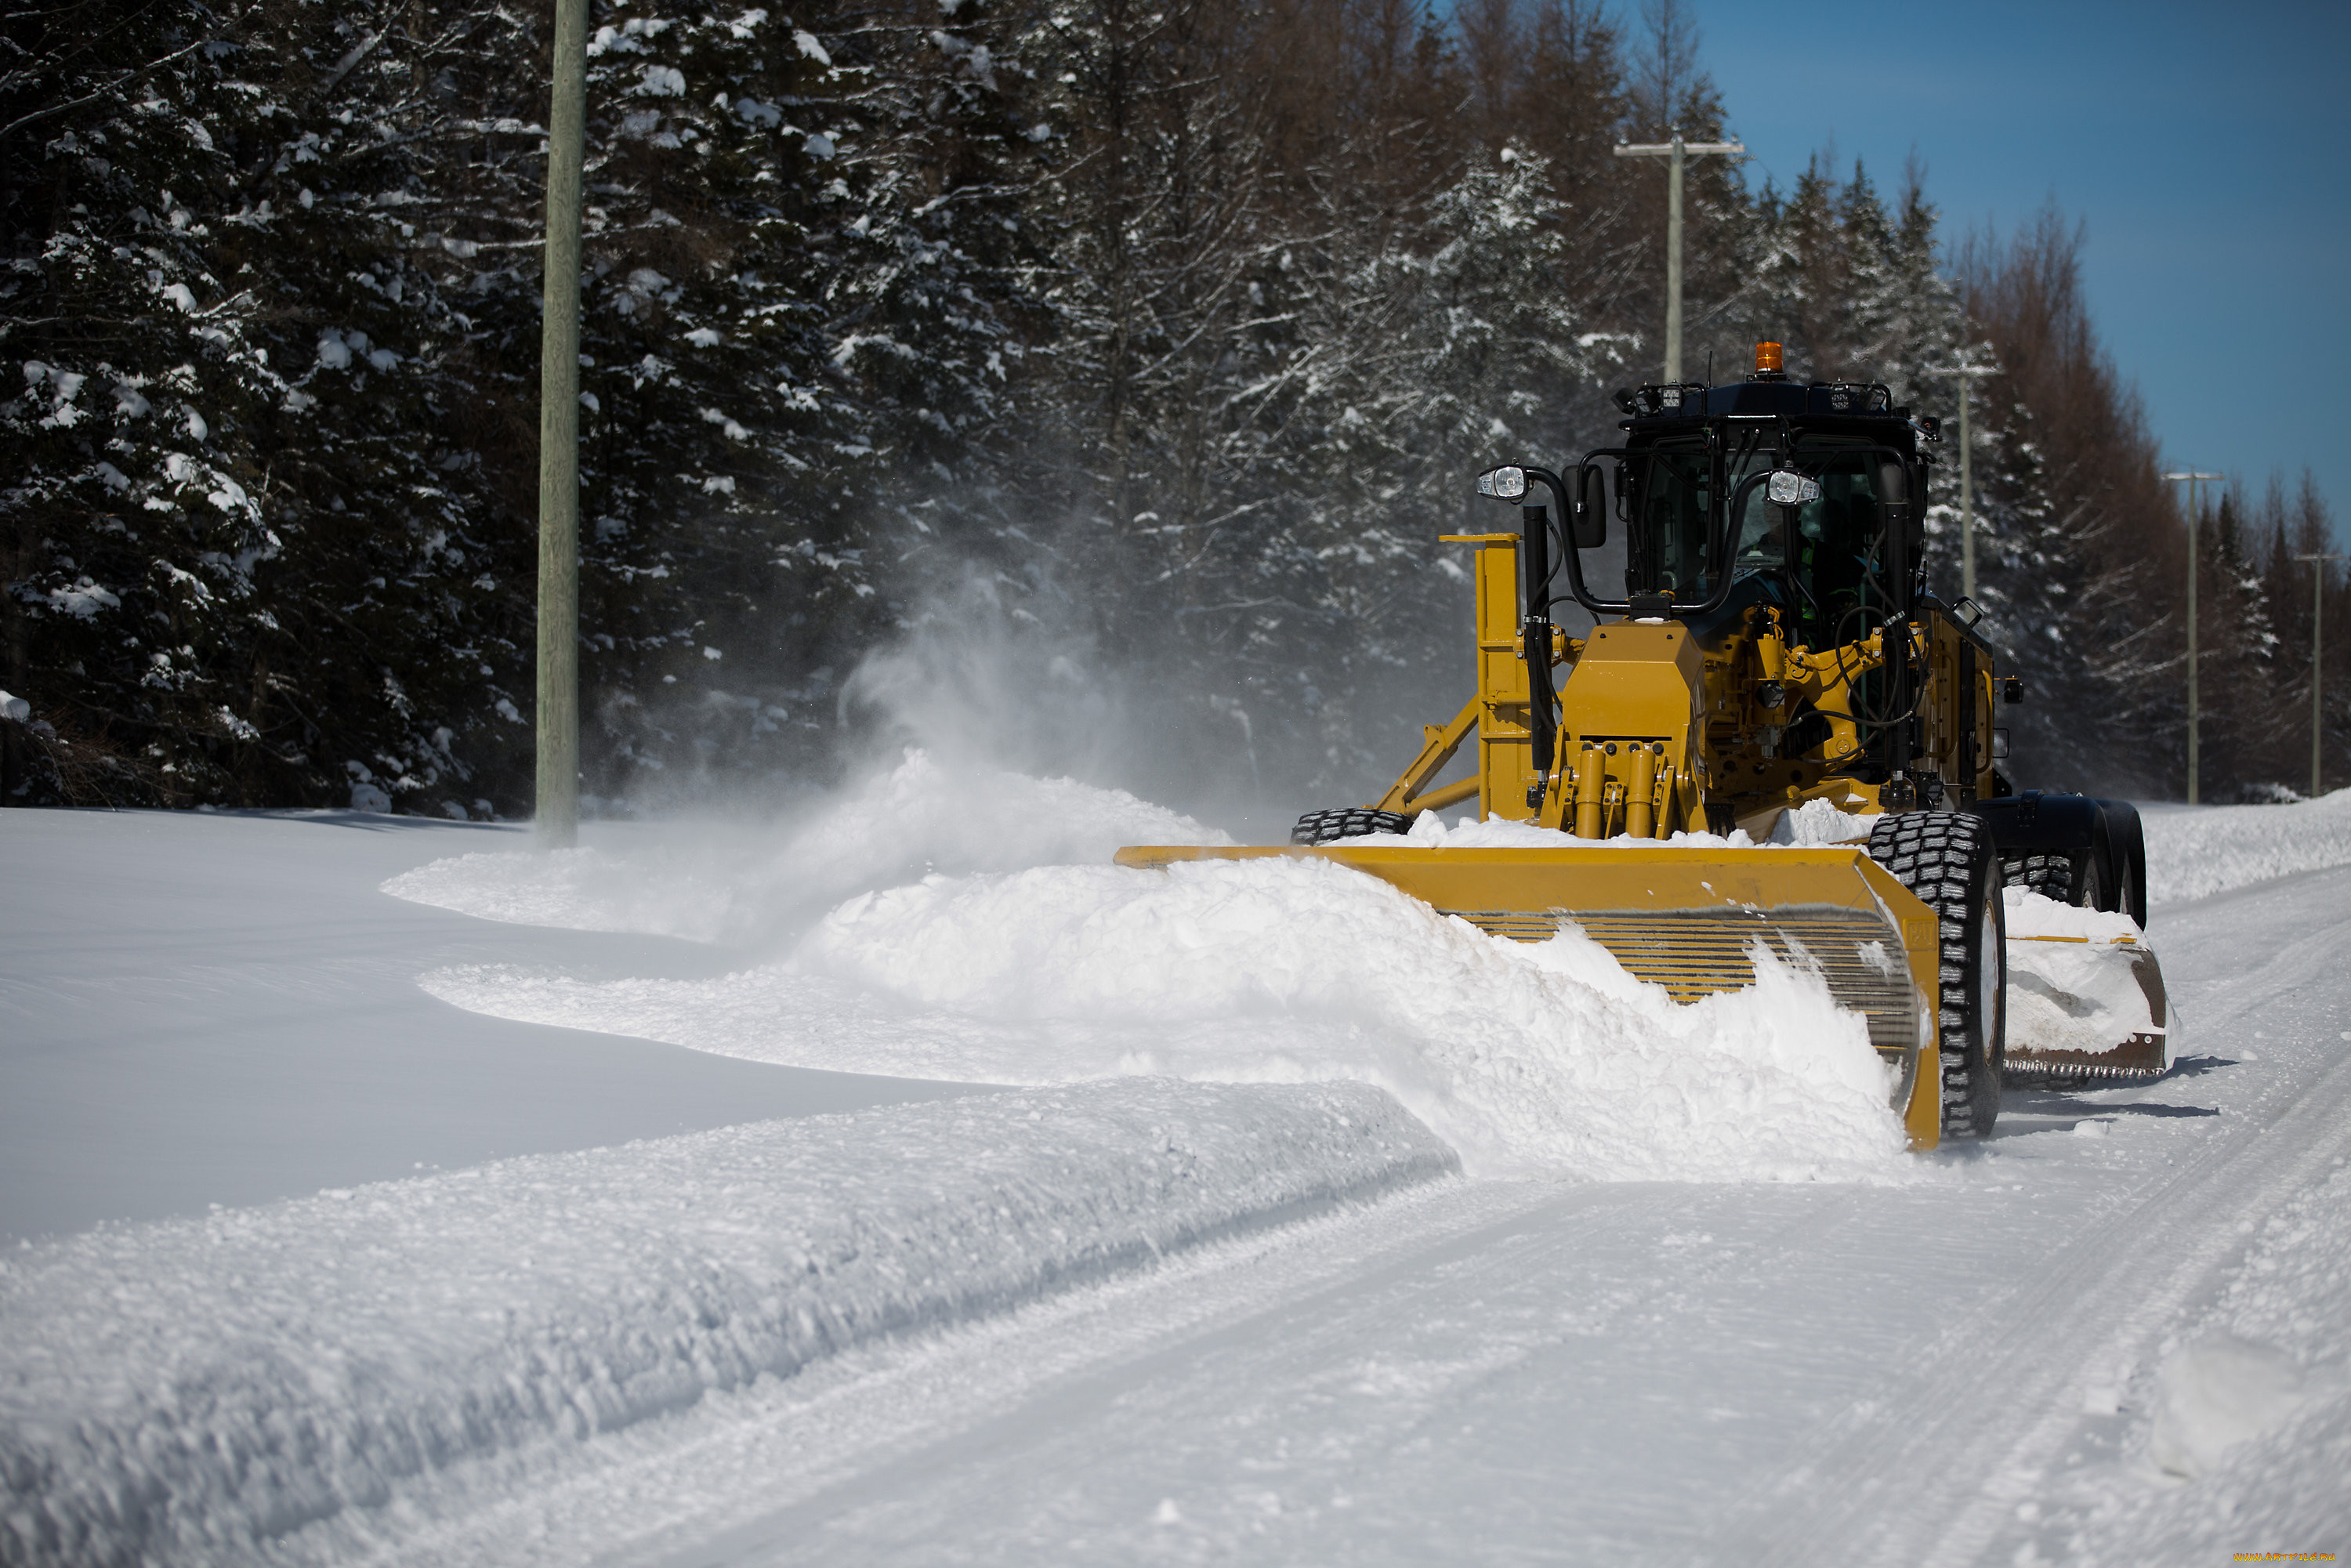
(1328, 827)
(2109, 873)
(1948, 860)
(2049, 873)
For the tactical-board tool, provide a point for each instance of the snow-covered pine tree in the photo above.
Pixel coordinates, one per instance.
(136, 550)
(1451, 348)
(2080, 559)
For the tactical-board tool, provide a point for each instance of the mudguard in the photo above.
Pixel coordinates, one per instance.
(2039, 823)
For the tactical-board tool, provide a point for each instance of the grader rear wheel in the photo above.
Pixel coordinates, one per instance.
(1328, 827)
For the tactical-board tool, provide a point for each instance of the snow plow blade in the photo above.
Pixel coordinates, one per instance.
(2080, 1010)
(1687, 919)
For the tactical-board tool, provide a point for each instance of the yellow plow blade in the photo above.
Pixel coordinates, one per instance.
(1686, 919)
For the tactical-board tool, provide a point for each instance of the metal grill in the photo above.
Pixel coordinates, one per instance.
(1694, 953)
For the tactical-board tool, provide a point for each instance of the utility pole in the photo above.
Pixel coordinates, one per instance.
(2193, 479)
(1675, 152)
(2317, 703)
(556, 808)
(1967, 374)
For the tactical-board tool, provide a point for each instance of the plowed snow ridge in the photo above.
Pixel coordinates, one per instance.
(181, 1391)
(1520, 1056)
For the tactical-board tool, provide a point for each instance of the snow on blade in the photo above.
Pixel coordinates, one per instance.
(1813, 824)
(2070, 983)
(184, 1390)
(714, 885)
(1522, 1057)
(1430, 831)
(2200, 850)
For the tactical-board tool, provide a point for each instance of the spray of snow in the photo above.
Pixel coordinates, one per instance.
(185, 1391)
(716, 883)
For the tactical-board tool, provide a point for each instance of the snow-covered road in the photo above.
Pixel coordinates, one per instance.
(1964, 1370)
(2119, 1333)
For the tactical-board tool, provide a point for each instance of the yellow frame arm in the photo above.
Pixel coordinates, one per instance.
(1438, 748)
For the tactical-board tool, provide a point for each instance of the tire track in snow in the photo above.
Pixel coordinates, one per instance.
(1936, 1477)
(749, 1477)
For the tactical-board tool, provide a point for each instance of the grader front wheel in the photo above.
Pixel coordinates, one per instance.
(1948, 860)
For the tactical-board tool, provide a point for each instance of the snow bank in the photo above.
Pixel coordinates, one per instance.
(716, 885)
(181, 1391)
(2197, 852)
(1522, 1057)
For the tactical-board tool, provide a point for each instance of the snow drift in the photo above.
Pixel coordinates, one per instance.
(1001, 967)
(184, 1390)
(1522, 1057)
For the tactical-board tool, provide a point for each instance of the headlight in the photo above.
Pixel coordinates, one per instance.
(1507, 484)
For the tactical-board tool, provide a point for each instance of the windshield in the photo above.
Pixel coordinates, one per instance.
(1671, 548)
(1822, 552)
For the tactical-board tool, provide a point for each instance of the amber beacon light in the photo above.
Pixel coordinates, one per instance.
(1767, 357)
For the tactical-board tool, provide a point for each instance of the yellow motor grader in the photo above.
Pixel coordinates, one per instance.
(1774, 645)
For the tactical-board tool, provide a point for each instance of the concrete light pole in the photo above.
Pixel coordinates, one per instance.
(2193, 479)
(1967, 374)
(2317, 679)
(1677, 151)
(556, 808)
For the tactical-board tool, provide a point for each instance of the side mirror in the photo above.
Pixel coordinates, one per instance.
(1894, 495)
(1590, 522)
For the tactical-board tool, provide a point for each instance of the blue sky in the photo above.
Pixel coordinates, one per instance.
(2204, 145)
